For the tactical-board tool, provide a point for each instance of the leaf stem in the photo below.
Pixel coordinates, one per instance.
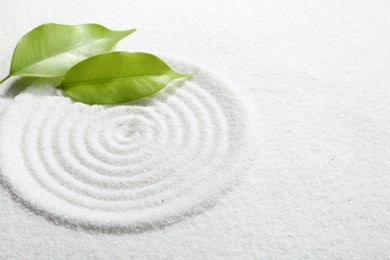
(4, 79)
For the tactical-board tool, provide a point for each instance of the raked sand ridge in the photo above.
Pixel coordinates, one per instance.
(129, 167)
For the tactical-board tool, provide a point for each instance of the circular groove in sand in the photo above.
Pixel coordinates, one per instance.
(149, 162)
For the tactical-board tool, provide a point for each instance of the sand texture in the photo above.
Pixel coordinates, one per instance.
(130, 167)
(279, 150)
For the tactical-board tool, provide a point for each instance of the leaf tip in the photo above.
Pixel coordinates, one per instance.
(186, 76)
(4, 79)
(129, 31)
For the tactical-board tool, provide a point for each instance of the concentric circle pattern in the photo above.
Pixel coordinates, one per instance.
(133, 166)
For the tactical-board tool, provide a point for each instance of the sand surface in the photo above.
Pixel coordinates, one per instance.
(311, 182)
(131, 167)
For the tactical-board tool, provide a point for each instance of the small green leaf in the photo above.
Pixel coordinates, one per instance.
(51, 49)
(117, 77)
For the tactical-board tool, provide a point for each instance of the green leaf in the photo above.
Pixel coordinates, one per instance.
(117, 77)
(51, 49)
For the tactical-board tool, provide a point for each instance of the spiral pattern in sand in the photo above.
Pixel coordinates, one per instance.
(134, 166)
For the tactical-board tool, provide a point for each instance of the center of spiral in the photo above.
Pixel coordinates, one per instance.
(129, 128)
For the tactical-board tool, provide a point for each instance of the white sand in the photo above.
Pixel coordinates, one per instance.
(318, 72)
(130, 167)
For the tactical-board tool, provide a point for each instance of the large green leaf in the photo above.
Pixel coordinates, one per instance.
(117, 77)
(51, 49)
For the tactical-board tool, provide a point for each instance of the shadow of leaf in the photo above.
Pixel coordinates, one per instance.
(20, 84)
